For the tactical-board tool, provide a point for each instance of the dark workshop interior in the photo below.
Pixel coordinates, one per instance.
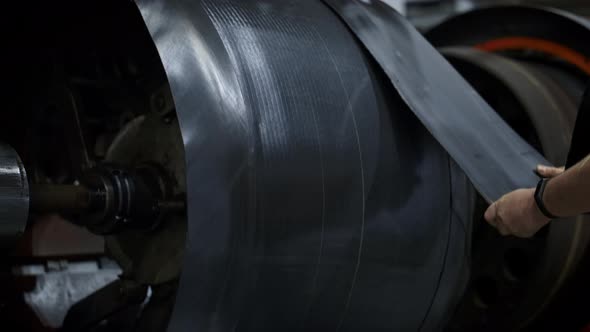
(288, 165)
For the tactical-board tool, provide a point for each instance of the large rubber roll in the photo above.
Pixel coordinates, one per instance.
(316, 200)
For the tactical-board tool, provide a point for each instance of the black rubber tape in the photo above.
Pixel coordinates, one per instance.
(493, 156)
(548, 107)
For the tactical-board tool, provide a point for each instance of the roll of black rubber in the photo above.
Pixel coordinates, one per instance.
(316, 199)
(492, 155)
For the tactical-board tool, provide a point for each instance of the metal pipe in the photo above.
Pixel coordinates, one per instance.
(65, 199)
(14, 196)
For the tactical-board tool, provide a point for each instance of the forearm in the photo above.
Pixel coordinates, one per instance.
(569, 193)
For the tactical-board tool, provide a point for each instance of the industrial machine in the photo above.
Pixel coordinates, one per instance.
(533, 72)
(264, 165)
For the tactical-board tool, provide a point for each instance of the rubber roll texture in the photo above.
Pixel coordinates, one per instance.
(316, 199)
(493, 156)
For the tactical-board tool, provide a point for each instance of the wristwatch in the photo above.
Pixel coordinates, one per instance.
(539, 199)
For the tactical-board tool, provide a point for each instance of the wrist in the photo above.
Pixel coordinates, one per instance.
(535, 212)
(539, 199)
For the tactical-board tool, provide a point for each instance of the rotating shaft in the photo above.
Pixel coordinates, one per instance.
(108, 200)
(14, 196)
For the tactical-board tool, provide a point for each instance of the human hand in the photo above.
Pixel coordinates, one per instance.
(517, 214)
(548, 171)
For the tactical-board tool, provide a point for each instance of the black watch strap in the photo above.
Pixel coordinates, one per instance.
(539, 199)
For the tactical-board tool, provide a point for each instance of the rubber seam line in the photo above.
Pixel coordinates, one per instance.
(323, 173)
(444, 263)
(358, 141)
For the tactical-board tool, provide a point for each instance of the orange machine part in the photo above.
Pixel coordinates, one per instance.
(522, 43)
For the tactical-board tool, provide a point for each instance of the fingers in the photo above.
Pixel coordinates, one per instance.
(515, 214)
(492, 217)
(503, 229)
(524, 235)
(491, 213)
(549, 172)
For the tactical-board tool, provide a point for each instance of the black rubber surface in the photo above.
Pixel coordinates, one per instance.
(547, 106)
(316, 199)
(493, 156)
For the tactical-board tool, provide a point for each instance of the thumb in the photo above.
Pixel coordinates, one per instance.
(549, 172)
(490, 214)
